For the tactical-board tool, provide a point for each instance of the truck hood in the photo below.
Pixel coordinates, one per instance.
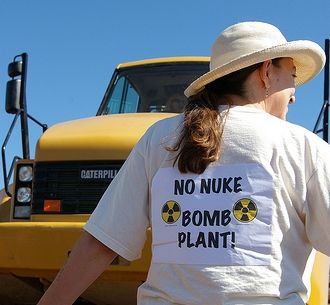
(108, 137)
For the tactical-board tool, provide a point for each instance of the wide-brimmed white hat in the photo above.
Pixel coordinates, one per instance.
(247, 43)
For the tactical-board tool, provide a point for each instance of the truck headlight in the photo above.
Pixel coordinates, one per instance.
(25, 174)
(24, 194)
(22, 212)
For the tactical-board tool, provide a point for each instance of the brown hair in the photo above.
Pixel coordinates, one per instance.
(199, 143)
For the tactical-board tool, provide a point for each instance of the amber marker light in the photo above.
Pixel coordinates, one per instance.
(52, 206)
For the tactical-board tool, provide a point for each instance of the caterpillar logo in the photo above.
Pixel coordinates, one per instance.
(245, 210)
(95, 174)
(171, 211)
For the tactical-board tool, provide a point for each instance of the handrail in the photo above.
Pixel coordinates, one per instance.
(324, 113)
(43, 126)
(3, 149)
(3, 152)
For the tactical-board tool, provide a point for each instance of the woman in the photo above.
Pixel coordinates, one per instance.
(236, 196)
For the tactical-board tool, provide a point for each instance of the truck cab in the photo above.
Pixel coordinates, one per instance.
(43, 211)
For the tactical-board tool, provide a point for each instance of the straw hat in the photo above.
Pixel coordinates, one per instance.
(247, 43)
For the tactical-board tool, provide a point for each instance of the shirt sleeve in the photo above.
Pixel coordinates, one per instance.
(317, 206)
(121, 217)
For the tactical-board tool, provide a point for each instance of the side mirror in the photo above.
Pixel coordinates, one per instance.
(13, 96)
(13, 91)
(15, 68)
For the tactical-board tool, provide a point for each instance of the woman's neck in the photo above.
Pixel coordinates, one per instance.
(235, 100)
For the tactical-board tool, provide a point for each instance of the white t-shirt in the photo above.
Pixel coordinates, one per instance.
(240, 233)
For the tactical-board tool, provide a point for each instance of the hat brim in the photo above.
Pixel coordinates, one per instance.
(308, 57)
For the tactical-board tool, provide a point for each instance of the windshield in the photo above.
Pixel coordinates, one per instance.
(152, 88)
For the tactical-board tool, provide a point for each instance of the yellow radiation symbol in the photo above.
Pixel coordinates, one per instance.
(171, 211)
(245, 210)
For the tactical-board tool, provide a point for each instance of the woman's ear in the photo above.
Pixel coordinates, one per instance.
(265, 72)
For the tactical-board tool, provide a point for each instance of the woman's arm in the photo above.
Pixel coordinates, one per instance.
(87, 261)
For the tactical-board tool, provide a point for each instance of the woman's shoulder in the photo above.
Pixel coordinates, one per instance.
(306, 139)
(166, 126)
(301, 131)
(164, 131)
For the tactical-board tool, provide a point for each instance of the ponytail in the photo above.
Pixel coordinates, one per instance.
(199, 143)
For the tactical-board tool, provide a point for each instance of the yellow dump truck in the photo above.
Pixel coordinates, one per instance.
(43, 210)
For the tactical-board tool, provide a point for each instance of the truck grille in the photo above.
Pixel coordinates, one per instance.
(79, 185)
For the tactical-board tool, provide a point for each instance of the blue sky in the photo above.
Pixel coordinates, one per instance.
(74, 46)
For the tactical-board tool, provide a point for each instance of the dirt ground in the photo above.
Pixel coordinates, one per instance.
(21, 293)
(7, 285)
